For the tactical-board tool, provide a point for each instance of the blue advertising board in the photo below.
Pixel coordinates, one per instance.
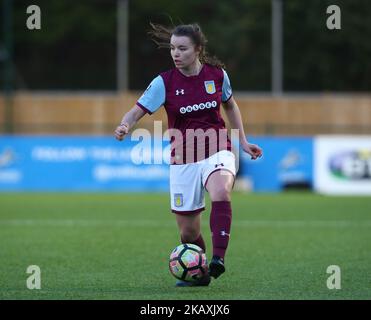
(286, 162)
(78, 163)
(75, 163)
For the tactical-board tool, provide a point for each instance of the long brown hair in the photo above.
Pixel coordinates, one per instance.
(161, 36)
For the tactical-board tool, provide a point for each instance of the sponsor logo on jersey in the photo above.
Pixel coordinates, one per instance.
(210, 86)
(178, 200)
(200, 106)
(178, 92)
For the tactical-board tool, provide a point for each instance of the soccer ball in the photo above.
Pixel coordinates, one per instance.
(188, 262)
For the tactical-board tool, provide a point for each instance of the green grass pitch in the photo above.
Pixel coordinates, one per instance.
(116, 246)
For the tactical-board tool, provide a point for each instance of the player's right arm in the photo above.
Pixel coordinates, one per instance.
(151, 100)
(128, 121)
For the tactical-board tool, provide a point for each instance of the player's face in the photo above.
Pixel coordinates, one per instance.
(183, 51)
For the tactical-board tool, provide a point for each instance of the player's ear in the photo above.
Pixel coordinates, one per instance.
(198, 49)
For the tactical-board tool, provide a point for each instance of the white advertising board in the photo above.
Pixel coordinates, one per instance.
(342, 165)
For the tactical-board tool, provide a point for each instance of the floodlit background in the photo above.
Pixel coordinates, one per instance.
(72, 199)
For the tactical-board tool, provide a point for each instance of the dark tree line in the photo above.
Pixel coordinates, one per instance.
(76, 47)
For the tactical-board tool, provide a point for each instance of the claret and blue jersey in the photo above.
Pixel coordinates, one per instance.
(191, 102)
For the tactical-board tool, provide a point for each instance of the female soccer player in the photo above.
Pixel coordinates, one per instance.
(201, 157)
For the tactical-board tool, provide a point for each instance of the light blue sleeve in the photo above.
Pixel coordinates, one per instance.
(226, 89)
(154, 96)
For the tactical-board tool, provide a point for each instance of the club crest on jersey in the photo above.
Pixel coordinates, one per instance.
(210, 86)
(178, 200)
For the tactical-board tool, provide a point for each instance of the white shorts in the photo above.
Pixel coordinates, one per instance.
(188, 181)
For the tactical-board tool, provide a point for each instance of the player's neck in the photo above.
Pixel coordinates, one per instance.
(192, 70)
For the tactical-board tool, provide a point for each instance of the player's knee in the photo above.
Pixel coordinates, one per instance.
(221, 193)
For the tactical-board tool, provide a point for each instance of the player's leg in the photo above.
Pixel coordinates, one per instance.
(218, 176)
(219, 185)
(187, 202)
(190, 229)
(190, 232)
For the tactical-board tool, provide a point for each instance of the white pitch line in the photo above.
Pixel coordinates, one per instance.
(304, 223)
(84, 223)
(171, 223)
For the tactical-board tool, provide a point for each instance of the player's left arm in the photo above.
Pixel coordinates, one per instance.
(233, 114)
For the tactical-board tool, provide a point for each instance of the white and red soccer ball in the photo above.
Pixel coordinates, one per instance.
(188, 262)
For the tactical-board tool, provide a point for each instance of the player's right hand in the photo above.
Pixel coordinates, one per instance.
(121, 131)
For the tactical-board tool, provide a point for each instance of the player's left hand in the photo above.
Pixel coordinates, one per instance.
(253, 150)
